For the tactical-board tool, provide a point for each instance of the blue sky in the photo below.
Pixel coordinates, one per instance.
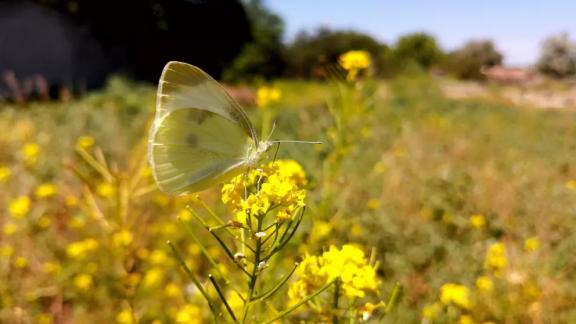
(517, 27)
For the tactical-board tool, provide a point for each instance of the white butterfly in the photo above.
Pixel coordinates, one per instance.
(200, 136)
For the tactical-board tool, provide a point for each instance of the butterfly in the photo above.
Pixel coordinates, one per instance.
(200, 136)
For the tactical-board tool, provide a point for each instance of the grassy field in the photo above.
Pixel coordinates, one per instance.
(468, 204)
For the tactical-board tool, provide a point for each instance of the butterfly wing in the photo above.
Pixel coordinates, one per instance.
(200, 136)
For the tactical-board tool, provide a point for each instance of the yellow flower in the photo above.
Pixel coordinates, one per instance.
(44, 221)
(106, 189)
(265, 96)
(431, 311)
(6, 251)
(71, 201)
(348, 264)
(9, 229)
(45, 190)
(532, 244)
(85, 142)
(19, 207)
(367, 310)
(495, 260)
(51, 267)
(373, 203)
(30, 151)
(122, 238)
(5, 174)
(189, 314)
(83, 281)
(158, 257)
(43, 319)
(172, 290)
(153, 277)
(125, 317)
(277, 184)
(354, 61)
(571, 185)
(455, 294)
(466, 319)
(478, 221)
(79, 249)
(21, 262)
(484, 283)
(320, 230)
(185, 215)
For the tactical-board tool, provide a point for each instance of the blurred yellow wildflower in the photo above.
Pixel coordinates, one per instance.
(51, 267)
(85, 142)
(21, 262)
(71, 201)
(6, 251)
(484, 283)
(5, 174)
(571, 184)
(265, 96)
(153, 277)
(106, 189)
(46, 190)
(466, 319)
(30, 151)
(320, 230)
(478, 221)
(125, 317)
(185, 215)
(277, 184)
(189, 314)
(79, 249)
(495, 260)
(431, 311)
(43, 318)
(44, 221)
(532, 244)
(122, 238)
(19, 207)
(348, 264)
(158, 257)
(455, 294)
(353, 62)
(373, 203)
(83, 281)
(9, 229)
(172, 290)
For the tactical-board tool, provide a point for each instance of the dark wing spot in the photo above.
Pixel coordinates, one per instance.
(192, 140)
(198, 116)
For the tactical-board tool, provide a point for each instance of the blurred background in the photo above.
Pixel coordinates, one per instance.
(448, 152)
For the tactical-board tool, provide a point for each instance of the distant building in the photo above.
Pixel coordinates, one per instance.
(501, 74)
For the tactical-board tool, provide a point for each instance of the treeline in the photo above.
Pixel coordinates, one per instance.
(310, 54)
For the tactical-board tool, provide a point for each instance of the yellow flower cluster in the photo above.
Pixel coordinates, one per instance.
(30, 151)
(19, 207)
(276, 186)
(495, 260)
(78, 250)
(266, 96)
(46, 190)
(348, 264)
(478, 221)
(455, 294)
(85, 142)
(354, 61)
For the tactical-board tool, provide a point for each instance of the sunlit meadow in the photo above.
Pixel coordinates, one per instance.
(468, 205)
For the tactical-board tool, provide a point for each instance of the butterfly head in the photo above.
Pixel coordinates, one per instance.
(258, 154)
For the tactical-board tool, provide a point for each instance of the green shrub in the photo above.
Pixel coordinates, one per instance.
(558, 58)
(416, 51)
(467, 62)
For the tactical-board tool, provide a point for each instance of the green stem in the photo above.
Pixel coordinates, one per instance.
(254, 275)
(335, 301)
(274, 289)
(221, 295)
(192, 276)
(394, 298)
(303, 301)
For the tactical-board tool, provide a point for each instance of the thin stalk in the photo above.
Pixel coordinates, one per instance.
(394, 298)
(274, 289)
(254, 275)
(335, 301)
(300, 303)
(221, 295)
(192, 276)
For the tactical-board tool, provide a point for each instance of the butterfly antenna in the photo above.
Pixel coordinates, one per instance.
(271, 131)
(291, 141)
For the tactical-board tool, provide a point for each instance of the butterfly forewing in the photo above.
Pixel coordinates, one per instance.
(200, 136)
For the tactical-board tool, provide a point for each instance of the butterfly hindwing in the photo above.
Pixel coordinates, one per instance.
(192, 150)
